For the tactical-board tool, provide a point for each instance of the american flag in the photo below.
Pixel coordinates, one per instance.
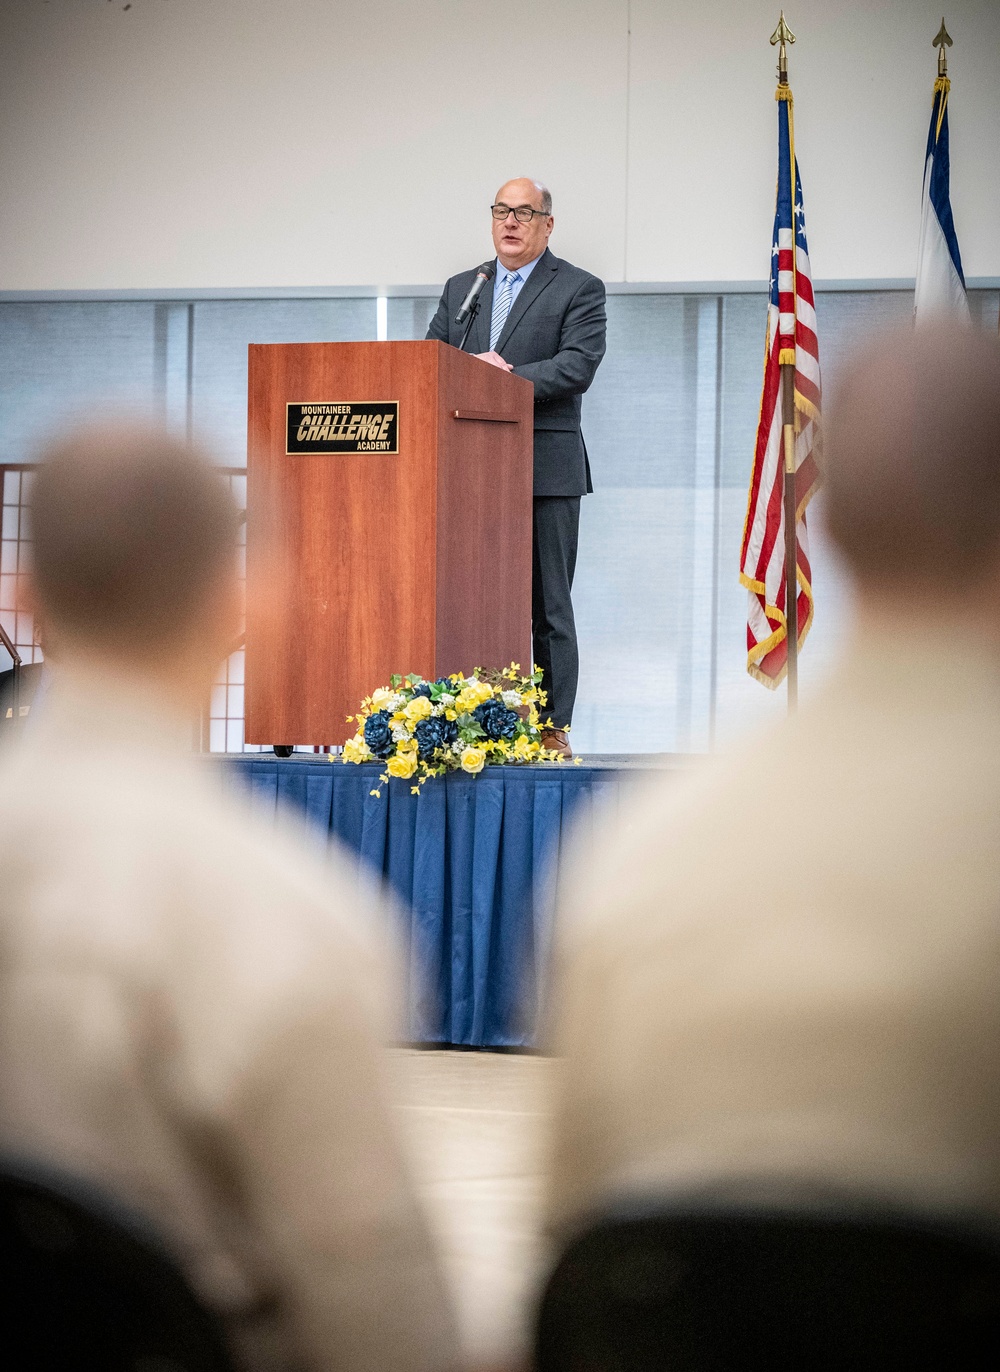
(791, 338)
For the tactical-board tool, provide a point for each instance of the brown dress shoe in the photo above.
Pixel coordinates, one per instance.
(557, 742)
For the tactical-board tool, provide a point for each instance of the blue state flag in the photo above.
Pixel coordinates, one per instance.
(940, 280)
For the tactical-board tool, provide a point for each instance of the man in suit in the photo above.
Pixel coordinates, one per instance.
(781, 974)
(544, 319)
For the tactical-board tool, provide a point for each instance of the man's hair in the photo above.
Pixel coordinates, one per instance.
(131, 529)
(913, 459)
(543, 191)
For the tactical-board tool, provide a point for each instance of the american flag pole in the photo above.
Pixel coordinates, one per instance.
(783, 35)
(791, 538)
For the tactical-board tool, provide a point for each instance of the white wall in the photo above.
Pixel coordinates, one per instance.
(203, 144)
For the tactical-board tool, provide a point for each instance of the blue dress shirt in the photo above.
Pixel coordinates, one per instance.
(503, 273)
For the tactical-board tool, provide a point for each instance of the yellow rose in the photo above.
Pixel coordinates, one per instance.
(472, 696)
(381, 698)
(402, 765)
(417, 709)
(356, 749)
(473, 760)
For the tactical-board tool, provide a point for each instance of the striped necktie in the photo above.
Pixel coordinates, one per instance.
(501, 309)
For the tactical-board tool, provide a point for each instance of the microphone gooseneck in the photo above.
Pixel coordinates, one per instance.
(485, 273)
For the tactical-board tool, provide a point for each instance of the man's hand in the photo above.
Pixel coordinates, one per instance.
(495, 360)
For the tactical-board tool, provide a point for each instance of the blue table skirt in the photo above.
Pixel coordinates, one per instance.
(474, 861)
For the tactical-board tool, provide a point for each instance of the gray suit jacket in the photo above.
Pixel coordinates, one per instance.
(555, 338)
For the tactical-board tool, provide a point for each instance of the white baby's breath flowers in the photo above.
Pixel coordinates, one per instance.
(512, 699)
(384, 699)
(446, 700)
(399, 733)
(457, 747)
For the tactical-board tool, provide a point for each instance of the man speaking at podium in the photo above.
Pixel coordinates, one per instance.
(543, 319)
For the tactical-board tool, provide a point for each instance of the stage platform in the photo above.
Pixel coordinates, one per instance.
(474, 863)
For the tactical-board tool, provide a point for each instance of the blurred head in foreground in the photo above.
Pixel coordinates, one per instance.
(779, 975)
(134, 557)
(911, 481)
(193, 1004)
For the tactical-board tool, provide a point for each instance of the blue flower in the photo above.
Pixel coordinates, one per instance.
(378, 734)
(436, 732)
(495, 720)
(424, 689)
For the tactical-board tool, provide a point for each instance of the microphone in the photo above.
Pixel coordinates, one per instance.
(485, 273)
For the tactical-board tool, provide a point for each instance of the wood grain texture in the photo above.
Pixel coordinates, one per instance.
(484, 517)
(361, 565)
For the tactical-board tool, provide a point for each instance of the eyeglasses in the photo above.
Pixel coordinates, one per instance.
(523, 214)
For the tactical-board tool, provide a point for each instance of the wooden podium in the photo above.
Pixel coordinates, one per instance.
(391, 483)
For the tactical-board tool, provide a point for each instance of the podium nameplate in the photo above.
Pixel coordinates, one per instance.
(366, 426)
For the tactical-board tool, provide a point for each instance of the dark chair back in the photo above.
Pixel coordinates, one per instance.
(87, 1287)
(718, 1287)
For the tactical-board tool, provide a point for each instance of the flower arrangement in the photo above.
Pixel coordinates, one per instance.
(421, 729)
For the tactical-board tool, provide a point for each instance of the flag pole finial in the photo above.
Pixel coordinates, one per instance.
(942, 41)
(782, 35)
